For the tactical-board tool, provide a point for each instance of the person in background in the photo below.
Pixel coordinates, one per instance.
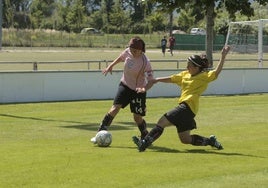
(172, 42)
(132, 87)
(164, 45)
(193, 82)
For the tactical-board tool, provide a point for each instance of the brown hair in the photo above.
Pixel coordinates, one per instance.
(137, 43)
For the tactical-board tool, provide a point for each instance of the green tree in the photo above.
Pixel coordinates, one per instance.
(106, 9)
(95, 20)
(140, 12)
(8, 14)
(91, 6)
(186, 21)
(76, 16)
(232, 6)
(16, 13)
(222, 24)
(40, 12)
(157, 21)
(119, 19)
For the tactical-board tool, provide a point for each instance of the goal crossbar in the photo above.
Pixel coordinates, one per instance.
(252, 21)
(260, 36)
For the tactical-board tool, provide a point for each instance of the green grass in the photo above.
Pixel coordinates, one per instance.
(47, 145)
(19, 55)
(49, 39)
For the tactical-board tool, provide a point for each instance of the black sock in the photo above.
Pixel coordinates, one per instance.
(199, 140)
(143, 127)
(106, 122)
(154, 134)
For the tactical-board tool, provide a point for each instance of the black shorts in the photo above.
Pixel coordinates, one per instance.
(126, 96)
(182, 117)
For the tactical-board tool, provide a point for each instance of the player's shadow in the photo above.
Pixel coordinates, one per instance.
(77, 124)
(95, 126)
(198, 151)
(116, 126)
(37, 119)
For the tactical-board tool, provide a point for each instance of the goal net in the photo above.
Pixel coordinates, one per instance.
(249, 37)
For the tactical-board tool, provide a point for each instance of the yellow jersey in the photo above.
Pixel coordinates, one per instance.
(192, 86)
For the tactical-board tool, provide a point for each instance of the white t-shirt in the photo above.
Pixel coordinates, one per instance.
(136, 70)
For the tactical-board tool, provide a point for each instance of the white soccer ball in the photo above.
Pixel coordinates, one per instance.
(103, 138)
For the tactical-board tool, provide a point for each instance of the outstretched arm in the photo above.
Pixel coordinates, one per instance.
(152, 82)
(110, 67)
(224, 52)
(163, 79)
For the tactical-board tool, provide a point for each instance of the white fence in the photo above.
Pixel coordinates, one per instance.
(41, 86)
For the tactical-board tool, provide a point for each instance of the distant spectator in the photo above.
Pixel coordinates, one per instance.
(164, 45)
(172, 42)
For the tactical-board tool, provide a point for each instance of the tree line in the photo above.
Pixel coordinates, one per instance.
(127, 16)
(111, 16)
(131, 16)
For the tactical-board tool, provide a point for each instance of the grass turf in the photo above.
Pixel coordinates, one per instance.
(8, 57)
(47, 145)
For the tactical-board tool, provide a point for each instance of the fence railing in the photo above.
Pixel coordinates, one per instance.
(100, 64)
(90, 64)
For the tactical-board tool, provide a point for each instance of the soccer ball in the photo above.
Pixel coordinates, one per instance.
(103, 138)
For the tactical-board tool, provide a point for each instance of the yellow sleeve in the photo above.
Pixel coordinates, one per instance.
(177, 78)
(211, 75)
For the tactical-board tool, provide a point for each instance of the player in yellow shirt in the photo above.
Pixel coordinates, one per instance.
(193, 82)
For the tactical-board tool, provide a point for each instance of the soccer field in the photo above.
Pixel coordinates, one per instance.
(47, 145)
(15, 60)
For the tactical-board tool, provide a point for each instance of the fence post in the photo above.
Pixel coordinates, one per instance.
(35, 66)
(1, 22)
(106, 63)
(99, 65)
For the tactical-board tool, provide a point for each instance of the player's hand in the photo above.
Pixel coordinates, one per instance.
(140, 90)
(106, 70)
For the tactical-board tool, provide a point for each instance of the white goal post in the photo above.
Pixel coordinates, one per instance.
(249, 37)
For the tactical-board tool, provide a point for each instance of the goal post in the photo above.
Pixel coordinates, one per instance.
(249, 37)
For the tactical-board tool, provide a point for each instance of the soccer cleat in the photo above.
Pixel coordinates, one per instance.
(142, 144)
(215, 143)
(136, 140)
(93, 140)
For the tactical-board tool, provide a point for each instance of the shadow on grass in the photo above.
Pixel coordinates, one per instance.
(199, 151)
(117, 126)
(37, 119)
(193, 151)
(79, 125)
(95, 126)
(127, 126)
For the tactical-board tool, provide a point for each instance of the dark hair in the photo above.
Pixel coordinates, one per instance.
(137, 43)
(199, 61)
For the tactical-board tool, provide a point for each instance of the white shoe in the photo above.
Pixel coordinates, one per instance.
(93, 140)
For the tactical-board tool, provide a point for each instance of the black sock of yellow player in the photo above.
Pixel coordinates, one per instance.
(154, 134)
(198, 140)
